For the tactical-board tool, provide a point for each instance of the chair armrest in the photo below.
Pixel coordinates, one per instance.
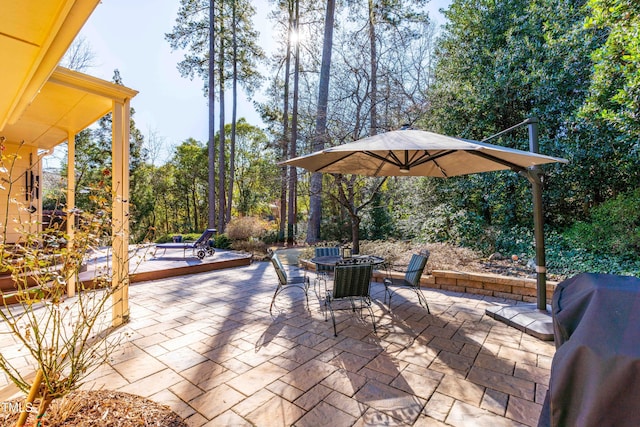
(397, 282)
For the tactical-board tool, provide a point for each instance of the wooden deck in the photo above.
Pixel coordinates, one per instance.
(148, 264)
(145, 264)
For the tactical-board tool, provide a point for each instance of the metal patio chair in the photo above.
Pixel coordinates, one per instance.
(410, 280)
(323, 272)
(352, 282)
(285, 281)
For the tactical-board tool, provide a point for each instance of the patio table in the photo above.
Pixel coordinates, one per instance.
(332, 260)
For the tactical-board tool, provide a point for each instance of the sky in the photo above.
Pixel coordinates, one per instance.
(128, 35)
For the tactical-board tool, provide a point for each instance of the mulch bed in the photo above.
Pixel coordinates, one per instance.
(101, 408)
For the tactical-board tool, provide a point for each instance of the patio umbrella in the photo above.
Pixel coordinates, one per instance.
(409, 152)
(417, 153)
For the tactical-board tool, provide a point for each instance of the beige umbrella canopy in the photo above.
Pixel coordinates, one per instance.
(418, 153)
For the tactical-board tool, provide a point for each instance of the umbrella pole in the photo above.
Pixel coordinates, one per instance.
(533, 175)
(538, 226)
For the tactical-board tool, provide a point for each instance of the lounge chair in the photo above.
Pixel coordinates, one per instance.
(200, 248)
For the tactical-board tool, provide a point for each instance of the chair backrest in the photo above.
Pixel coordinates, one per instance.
(352, 280)
(204, 238)
(280, 271)
(415, 268)
(326, 251)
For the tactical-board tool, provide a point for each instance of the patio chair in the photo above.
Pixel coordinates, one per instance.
(286, 282)
(200, 248)
(324, 271)
(410, 280)
(352, 282)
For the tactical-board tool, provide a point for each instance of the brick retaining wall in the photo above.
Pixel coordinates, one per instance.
(514, 288)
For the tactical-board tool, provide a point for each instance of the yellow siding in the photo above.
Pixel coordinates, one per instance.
(14, 201)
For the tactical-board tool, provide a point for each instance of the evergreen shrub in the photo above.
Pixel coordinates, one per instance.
(565, 256)
(222, 241)
(614, 227)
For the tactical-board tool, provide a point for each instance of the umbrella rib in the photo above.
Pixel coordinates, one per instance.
(425, 157)
(396, 161)
(384, 159)
(333, 162)
(512, 166)
(433, 158)
(407, 162)
(430, 158)
(376, 156)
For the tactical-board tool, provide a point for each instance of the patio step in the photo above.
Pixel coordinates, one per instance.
(526, 318)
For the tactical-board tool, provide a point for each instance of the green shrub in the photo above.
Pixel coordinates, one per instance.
(446, 223)
(377, 222)
(271, 237)
(165, 238)
(566, 257)
(168, 238)
(222, 241)
(335, 228)
(515, 240)
(191, 237)
(614, 227)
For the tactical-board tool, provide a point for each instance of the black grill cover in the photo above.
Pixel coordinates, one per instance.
(595, 373)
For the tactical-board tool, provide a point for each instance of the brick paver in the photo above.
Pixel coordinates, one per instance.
(205, 345)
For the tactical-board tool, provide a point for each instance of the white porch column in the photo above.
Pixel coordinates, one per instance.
(71, 203)
(120, 213)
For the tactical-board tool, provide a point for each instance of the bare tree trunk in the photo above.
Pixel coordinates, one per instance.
(221, 136)
(373, 96)
(175, 211)
(285, 128)
(212, 126)
(166, 214)
(188, 206)
(234, 112)
(194, 195)
(293, 174)
(354, 214)
(320, 139)
(355, 234)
